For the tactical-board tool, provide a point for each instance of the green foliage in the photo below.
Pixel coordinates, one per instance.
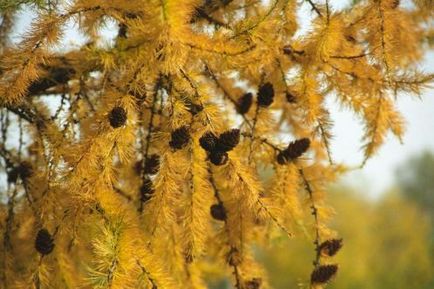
(16, 4)
(416, 180)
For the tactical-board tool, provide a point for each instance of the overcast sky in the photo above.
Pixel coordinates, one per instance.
(378, 174)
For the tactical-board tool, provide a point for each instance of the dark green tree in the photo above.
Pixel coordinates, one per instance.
(415, 179)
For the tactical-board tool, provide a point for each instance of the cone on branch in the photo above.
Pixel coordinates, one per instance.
(265, 95)
(146, 190)
(218, 158)
(208, 141)
(180, 137)
(12, 175)
(254, 283)
(294, 150)
(152, 164)
(44, 242)
(234, 257)
(194, 108)
(218, 212)
(290, 97)
(57, 75)
(330, 247)
(228, 140)
(117, 117)
(394, 4)
(323, 274)
(24, 170)
(244, 103)
(123, 30)
(217, 147)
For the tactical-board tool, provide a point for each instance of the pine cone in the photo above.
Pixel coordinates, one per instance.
(294, 150)
(218, 158)
(117, 117)
(281, 158)
(13, 175)
(218, 212)
(180, 138)
(290, 97)
(244, 103)
(138, 167)
(146, 190)
(152, 164)
(44, 243)
(255, 283)
(265, 95)
(323, 273)
(25, 170)
(123, 29)
(297, 148)
(228, 140)
(208, 141)
(234, 257)
(330, 247)
(395, 4)
(194, 108)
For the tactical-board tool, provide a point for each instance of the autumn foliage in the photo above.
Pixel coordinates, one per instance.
(137, 162)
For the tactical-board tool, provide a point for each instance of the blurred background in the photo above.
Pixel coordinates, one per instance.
(384, 211)
(388, 239)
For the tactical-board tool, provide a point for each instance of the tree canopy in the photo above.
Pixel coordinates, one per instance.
(135, 162)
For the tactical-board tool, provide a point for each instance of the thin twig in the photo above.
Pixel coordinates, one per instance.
(226, 226)
(225, 92)
(315, 215)
(314, 7)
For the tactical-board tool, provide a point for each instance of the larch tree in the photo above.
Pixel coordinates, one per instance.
(138, 162)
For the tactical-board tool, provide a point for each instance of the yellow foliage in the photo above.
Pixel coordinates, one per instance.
(136, 162)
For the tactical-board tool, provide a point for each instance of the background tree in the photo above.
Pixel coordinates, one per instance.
(416, 181)
(133, 163)
(387, 245)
